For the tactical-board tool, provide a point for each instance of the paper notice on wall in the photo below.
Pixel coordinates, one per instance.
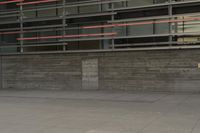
(90, 74)
(199, 65)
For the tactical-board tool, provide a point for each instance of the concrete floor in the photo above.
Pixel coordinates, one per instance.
(98, 112)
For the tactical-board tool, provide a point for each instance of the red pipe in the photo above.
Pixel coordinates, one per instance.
(36, 2)
(10, 1)
(67, 36)
(112, 25)
(139, 23)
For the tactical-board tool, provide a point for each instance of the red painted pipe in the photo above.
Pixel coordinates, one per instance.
(10, 1)
(67, 36)
(36, 2)
(117, 25)
(139, 23)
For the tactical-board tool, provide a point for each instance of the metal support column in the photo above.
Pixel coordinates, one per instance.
(170, 13)
(64, 23)
(112, 19)
(21, 28)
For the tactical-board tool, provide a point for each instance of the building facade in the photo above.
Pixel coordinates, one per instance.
(29, 26)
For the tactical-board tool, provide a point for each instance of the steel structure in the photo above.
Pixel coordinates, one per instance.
(43, 26)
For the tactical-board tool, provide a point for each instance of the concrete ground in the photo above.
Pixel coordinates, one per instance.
(98, 112)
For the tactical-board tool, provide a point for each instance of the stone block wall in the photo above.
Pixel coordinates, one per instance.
(160, 70)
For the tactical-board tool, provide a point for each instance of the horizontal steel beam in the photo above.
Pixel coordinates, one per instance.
(33, 45)
(68, 5)
(156, 43)
(67, 36)
(115, 45)
(157, 6)
(106, 50)
(36, 2)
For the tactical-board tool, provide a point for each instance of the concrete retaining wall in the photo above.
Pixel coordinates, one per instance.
(164, 70)
(1, 73)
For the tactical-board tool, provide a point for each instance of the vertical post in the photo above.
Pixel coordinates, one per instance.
(127, 28)
(183, 30)
(170, 24)
(21, 28)
(64, 23)
(102, 30)
(154, 25)
(112, 19)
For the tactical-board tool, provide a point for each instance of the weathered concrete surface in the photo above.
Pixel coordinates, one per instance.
(164, 70)
(1, 73)
(98, 112)
(90, 75)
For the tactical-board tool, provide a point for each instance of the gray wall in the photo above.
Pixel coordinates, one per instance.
(165, 70)
(1, 72)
